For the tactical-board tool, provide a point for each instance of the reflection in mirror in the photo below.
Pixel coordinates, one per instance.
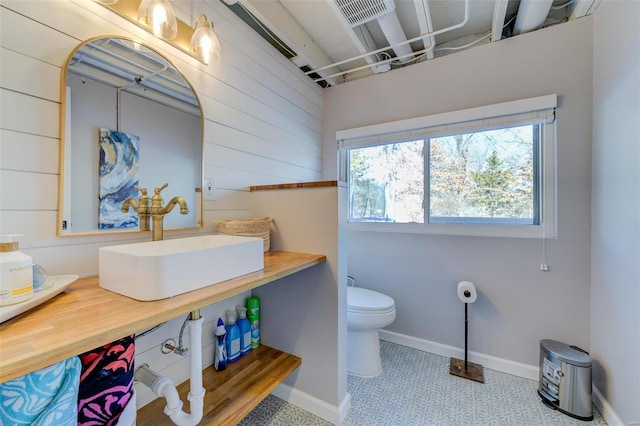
(131, 120)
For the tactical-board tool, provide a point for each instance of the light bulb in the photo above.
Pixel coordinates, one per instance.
(158, 15)
(204, 42)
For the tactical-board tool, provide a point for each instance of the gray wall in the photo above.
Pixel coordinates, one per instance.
(305, 313)
(615, 254)
(518, 304)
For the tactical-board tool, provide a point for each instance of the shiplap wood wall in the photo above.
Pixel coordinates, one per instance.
(263, 119)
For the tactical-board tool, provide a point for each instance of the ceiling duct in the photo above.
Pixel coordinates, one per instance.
(359, 12)
(531, 15)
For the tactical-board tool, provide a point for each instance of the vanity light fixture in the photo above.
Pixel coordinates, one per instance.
(204, 42)
(159, 16)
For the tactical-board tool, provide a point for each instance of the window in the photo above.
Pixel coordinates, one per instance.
(483, 175)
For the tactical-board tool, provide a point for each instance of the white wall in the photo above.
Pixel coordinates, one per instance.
(615, 252)
(262, 126)
(518, 304)
(262, 118)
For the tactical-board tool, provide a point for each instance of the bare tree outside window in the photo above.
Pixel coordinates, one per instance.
(479, 177)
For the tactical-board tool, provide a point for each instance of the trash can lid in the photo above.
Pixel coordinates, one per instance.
(569, 354)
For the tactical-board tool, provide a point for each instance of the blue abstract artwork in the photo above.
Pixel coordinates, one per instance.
(118, 170)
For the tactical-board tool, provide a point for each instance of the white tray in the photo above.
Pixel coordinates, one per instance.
(58, 284)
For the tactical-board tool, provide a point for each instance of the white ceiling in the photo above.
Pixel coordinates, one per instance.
(320, 38)
(129, 67)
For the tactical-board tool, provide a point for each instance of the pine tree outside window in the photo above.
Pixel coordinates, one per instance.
(489, 176)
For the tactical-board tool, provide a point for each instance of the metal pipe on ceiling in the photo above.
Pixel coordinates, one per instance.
(418, 38)
(423, 13)
(382, 62)
(499, 15)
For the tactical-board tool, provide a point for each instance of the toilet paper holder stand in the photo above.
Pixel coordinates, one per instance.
(465, 368)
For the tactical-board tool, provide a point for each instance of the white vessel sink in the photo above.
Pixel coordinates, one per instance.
(159, 269)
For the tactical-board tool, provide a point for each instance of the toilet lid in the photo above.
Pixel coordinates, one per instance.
(362, 299)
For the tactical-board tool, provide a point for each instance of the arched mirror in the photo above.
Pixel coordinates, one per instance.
(129, 120)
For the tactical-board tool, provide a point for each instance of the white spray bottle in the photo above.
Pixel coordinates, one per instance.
(220, 349)
(245, 330)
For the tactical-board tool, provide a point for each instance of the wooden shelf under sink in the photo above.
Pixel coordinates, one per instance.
(231, 394)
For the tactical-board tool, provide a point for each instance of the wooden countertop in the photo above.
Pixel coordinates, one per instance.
(87, 316)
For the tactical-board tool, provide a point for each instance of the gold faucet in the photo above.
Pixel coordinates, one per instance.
(142, 206)
(158, 212)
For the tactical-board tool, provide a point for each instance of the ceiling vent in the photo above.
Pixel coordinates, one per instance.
(358, 12)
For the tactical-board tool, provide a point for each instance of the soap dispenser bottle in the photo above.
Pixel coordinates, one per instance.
(233, 337)
(220, 350)
(16, 272)
(245, 330)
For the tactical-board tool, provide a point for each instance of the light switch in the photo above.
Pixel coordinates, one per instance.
(209, 188)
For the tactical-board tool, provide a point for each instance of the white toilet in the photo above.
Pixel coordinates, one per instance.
(367, 311)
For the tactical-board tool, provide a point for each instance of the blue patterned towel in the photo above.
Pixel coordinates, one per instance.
(43, 398)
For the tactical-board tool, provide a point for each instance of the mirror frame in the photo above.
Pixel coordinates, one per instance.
(62, 146)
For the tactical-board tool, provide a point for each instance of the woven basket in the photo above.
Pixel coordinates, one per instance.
(258, 227)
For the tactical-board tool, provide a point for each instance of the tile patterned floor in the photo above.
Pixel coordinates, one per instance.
(415, 388)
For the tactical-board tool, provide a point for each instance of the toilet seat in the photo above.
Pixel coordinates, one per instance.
(362, 300)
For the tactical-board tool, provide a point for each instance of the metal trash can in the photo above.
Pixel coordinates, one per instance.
(565, 379)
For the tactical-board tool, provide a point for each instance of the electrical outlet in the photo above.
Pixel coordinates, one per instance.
(209, 188)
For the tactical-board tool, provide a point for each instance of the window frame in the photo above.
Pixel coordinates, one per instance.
(381, 134)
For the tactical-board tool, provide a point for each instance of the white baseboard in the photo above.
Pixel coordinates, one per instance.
(606, 409)
(332, 414)
(494, 363)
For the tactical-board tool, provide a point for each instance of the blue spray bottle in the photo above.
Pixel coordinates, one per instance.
(245, 330)
(220, 350)
(233, 337)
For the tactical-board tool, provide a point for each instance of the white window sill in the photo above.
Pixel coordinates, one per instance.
(504, 231)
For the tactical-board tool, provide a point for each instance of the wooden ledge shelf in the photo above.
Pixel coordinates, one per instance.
(319, 184)
(230, 394)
